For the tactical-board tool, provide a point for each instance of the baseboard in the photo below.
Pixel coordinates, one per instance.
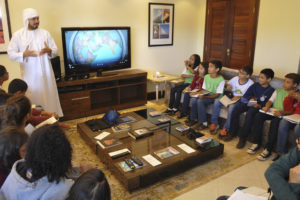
(152, 95)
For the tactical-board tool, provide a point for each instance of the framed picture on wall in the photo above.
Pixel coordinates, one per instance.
(5, 32)
(161, 24)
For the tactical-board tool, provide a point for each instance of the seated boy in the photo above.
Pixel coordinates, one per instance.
(238, 85)
(285, 126)
(254, 99)
(3, 75)
(214, 84)
(18, 86)
(282, 105)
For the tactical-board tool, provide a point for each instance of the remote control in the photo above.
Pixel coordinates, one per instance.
(137, 160)
(129, 163)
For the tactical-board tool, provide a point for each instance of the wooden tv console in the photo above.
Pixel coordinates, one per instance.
(120, 90)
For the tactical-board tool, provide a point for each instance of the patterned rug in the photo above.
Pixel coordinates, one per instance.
(165, 189)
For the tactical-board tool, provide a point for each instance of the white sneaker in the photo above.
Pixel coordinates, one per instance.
(264, 155)
(253, 149)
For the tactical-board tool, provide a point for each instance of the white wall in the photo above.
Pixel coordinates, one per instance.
(55, 14)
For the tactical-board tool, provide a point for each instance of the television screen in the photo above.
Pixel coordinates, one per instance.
(93, 49)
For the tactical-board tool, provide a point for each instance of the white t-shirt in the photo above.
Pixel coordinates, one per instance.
(185, 72)
(237, 88)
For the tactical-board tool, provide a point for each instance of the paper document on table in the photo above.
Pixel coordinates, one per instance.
(238, 195)
(151, 160)
(102, 135)
(186, 148)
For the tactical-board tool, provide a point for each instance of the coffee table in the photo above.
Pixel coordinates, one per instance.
(148, 174)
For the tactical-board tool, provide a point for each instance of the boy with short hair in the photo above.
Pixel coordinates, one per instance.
(214, 84)
(281, 105)
(255, 98)
(238, 85)
(3, 75)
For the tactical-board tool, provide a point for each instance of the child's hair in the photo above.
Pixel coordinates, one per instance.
(91, 185)
(14, 111)
(295, 77)
(17, 85)
(205, 66)
(269, 73)
(248, 70)
(2, 70)
(3, 97)
(49, 153)
(11, 140)
(197, 60)
(218, 64)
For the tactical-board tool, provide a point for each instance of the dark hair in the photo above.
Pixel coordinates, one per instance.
(269, 73)
(205, 66)
(197, 60)
(2, 70)
(92, 185)
(14, 111)
(295, 77)
(218, 64)
(17, 85)
(248, 70)
(11, 140)
(49, 153)
(3, 97)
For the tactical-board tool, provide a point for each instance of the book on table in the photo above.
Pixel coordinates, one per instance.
(166, 152)
(203, 140)
(295, 118)
(125, 119)
(121, 128)
(140, 133)
(109, 142)
(164, 119)
(226, 101)
(155, 113)
(182, 128)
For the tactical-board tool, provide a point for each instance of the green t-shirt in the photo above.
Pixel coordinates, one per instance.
(280, 96)
(212, 84)
(189, 80)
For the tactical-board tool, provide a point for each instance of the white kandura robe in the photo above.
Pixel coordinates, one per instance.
(36, 71)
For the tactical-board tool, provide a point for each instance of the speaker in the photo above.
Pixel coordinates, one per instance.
(55, 62)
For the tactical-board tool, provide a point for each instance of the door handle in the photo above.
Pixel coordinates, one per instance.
(228, 52)
(80, 98)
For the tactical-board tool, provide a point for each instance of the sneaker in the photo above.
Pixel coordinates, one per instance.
(182, 115)
(253, 149)
(213, 129)
(169, 110)
(241, 144)
(200, 126)
(173, 112)
(222, 133)
(264, 155)
(191, 123)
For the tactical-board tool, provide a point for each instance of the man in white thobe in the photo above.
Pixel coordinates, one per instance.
(32, 47)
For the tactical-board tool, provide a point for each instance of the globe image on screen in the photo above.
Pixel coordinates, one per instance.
(96, 48)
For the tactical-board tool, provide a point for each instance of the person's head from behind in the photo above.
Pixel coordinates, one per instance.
(203, 69)
(214, 67)
(265, 76)
(245, 73)
(3, 97)
(15, 112)
(3, 74)
(31, 18)
(291, 81)
(92, 185)
(48, 153)
(17, 86)
(12, 141)
(194, 60)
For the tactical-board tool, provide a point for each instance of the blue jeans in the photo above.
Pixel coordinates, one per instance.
(283, 135)
(186, 102)
(216, 112)
(199, 108)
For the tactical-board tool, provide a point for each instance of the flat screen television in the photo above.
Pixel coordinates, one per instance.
(94, 49)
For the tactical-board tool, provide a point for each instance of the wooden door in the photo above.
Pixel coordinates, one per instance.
(231, 31)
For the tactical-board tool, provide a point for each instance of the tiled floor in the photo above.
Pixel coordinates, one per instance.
(251, 174)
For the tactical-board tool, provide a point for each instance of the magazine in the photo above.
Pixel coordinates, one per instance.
(140, 133)
(166, 152)
(164, 119)
(203, 140)
(126, 119)
(109, 142)
(155, 113)
(182, 128)
(120, 128)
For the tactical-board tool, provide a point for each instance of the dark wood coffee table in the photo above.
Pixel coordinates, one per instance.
(148, 174)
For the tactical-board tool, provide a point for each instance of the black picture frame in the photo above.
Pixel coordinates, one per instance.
(161, 24)
(5, 29)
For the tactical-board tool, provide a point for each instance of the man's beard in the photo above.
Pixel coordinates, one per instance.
(35, 26)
